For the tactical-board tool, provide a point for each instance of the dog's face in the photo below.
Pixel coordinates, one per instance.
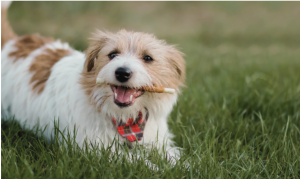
(128, 61)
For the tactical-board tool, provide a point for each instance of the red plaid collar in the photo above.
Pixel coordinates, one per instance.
(133, 129)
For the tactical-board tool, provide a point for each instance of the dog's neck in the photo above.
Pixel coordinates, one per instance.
(133, 129)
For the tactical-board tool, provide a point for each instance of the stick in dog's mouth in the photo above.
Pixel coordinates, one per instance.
(154, 89)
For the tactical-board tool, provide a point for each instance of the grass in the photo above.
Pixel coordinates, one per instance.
(238, 117)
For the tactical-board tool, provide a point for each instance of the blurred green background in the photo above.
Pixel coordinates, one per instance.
(243, 24)
(238, 116)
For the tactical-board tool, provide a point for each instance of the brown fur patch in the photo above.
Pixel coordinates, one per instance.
(6, 31)
(41, 67)
(88, 79)
(27, 44)
(168, 69)
(89, 74)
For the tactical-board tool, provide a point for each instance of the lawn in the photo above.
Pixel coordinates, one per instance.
(238, 117)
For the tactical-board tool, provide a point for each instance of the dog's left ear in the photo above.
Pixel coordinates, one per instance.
(96, 44)
(177, 61)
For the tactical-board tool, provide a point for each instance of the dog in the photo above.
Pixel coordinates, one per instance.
(45, 79)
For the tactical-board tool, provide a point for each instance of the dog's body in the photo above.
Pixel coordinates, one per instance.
(44, 80)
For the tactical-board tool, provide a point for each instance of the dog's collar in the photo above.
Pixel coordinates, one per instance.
(133, 129)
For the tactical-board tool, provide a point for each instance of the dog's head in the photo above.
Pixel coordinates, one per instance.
(128, 61)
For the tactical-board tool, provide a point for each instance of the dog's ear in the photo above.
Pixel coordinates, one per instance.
(96, 44)
(177, 61)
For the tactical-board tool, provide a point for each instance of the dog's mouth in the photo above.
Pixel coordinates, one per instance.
(125, 96)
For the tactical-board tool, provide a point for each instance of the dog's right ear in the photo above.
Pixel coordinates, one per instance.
(96, 44)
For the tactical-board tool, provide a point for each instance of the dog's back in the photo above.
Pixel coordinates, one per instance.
(33, 69)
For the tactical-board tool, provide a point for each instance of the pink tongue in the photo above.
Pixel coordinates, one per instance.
(123, 94)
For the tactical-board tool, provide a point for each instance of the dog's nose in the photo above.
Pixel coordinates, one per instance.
(123, 74)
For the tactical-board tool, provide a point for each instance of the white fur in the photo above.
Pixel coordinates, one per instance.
(63, 98)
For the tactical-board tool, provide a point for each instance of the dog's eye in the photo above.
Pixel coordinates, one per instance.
(112, 55)
(147, 58)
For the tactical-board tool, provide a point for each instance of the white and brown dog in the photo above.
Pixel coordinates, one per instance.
(44, 79)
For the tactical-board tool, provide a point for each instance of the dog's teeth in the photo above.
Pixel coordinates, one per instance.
(130, 97)
(116, 95)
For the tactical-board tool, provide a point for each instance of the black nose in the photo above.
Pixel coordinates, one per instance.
(123, 74)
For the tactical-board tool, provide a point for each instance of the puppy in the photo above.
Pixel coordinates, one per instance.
(44, 79)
